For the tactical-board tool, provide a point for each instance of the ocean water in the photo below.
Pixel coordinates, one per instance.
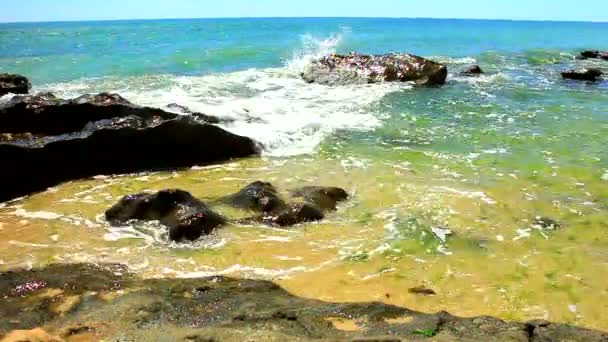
(446, 182)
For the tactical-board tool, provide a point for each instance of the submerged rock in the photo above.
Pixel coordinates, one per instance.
(326, 198)
(186, 217)
(473, 70)
(110, 147)
(591, 74)
(258, 196)
(295, 213)
(356, 68)
(229, 309)
(594, 54)
(14, 84)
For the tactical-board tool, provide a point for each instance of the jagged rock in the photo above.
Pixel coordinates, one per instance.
(326, 198)
(186, 217)
(591, 74)
(45, 114)
(14, 84)
(108, 147)
(473, 70)
(356, 68)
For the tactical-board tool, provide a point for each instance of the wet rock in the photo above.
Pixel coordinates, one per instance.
(295, 213)
(14, 84)
(106, 149)
(245, 310)
(186, 217)
(594, 54)
(46, 114)
(200, 116)
(473, 70)
(258, 196)
(591, 74)
(421, 290)
(326, 198)
(356, 68)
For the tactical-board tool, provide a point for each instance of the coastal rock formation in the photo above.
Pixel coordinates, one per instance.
(200, 116)
(45, 114)
(59, 140)
(591, 74)
(356, 68)
(594, 54)
(293, 214)
(258, 196)
(326, 198)
(473, 70)
(14, 84)
(186, 217)
(228, 309)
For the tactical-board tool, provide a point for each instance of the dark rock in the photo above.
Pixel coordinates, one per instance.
(326, 198)
(34, 165)
(421, 290)
(258, 196)
(594, 54)
(14, 84)
(473, 70)
(45, 114)
(591, 74)
(200, 116)
(295, 213)
(356, 68)
(186, 217)
(233, 309)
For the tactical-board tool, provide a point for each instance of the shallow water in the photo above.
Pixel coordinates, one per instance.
(446, 182)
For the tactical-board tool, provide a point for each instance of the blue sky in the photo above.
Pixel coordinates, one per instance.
(58, 10)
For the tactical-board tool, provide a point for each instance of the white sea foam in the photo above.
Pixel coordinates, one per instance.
(274, 106)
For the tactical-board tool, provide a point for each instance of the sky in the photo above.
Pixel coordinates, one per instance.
(64, 10)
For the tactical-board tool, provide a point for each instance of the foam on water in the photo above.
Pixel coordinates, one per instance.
(274, 105)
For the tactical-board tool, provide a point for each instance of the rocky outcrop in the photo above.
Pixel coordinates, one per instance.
(110, 136)
(186, 217)
(591, 74)
(473, 70)
(291, 215)
(200, 116)
(594, 54)
(115, 305)
(356, 68)
(14, 84)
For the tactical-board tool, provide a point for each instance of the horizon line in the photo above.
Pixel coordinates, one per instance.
(299, 17)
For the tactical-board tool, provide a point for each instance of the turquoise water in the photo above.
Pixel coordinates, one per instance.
(481, 157)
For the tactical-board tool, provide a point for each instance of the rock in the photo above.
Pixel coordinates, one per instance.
(295, 213)
(237, 309)
(356, 68)
(421, 290)
(545, 223)
(258, 196)
(326, 198)
(200, 116)
(45, 114)
(473, 70)
(591, 74)
(594, 54)
(14, 84)
(106, 148)
(186, 217)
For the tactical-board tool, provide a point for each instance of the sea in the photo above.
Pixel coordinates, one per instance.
(448, 183)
